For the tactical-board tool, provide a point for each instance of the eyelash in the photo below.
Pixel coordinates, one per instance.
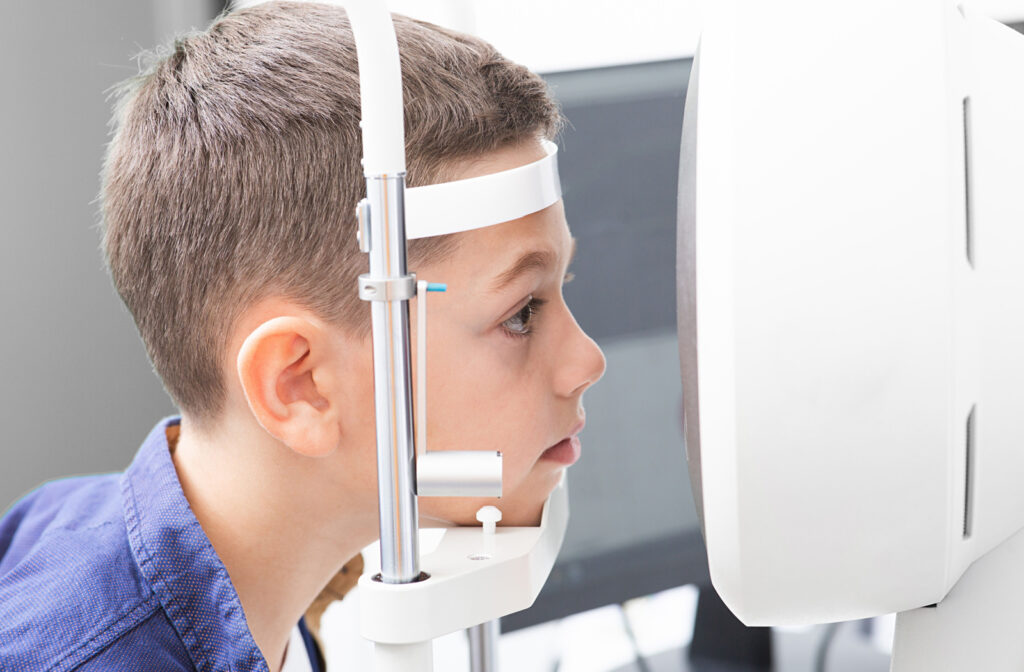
(525, 315)
(531, 309)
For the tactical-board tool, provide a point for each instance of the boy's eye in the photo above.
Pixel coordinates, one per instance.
(521, 324)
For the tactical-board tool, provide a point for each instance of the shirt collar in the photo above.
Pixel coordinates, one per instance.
(178, 560)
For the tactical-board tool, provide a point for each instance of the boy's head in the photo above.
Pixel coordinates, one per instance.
(228, 199)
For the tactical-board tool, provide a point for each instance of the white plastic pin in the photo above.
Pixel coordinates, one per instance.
(489, 517)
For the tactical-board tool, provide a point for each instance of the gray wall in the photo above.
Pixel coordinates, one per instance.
(77, 394)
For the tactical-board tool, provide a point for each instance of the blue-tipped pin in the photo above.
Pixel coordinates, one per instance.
(437, 287)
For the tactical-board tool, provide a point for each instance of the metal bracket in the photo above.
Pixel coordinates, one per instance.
(363, 218)
(387, 289)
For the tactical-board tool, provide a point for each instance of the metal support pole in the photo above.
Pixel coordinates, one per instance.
(396, 455)
(483, 646)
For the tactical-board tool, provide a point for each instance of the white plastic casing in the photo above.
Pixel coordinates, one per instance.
(474, 578)
(476, 202)
(380, 87)
(830, 317)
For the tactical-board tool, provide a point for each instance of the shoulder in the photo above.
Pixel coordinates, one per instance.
(64, 503)
(70, 589)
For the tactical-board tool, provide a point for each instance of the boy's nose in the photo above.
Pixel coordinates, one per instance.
(583, 363)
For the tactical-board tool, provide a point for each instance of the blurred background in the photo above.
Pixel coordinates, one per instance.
(78, 395)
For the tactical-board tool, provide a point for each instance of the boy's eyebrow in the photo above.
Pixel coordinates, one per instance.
(530, 261)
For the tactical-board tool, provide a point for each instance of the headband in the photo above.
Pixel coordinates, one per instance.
(476, 202)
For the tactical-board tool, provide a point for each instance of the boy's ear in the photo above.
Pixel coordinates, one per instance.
(289, 379)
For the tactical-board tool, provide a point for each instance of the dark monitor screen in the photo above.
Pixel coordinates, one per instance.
(633, 526)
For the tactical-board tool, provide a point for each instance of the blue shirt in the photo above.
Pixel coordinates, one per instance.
(114, 572)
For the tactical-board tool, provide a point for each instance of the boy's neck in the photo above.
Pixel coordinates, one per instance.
(280, 524)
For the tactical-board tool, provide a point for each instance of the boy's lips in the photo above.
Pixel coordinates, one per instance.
(567, 451)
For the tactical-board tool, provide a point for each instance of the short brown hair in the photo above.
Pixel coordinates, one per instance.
(234, 171)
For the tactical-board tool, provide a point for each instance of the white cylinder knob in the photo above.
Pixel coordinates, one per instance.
(489, 516)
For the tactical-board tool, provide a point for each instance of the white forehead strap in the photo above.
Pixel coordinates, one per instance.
(463, 205)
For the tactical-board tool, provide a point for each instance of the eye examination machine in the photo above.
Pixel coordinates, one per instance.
(849, 290)
(848, 278)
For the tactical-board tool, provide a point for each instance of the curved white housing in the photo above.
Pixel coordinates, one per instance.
(475, 577)
(476, 202)
(380, 87)
(844, 305)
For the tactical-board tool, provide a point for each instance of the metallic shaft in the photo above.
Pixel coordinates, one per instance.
(396, 457)
(483, 646)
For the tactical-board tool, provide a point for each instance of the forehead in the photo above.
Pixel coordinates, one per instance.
(491, 249)
(546, 230)
(488, 252)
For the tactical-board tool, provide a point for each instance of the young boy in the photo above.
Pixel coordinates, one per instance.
(228, 194)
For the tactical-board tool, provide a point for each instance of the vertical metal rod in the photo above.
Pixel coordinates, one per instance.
(483, 646)
(396, 458)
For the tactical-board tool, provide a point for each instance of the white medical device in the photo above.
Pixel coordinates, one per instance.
(474, 576)
(851, 238)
